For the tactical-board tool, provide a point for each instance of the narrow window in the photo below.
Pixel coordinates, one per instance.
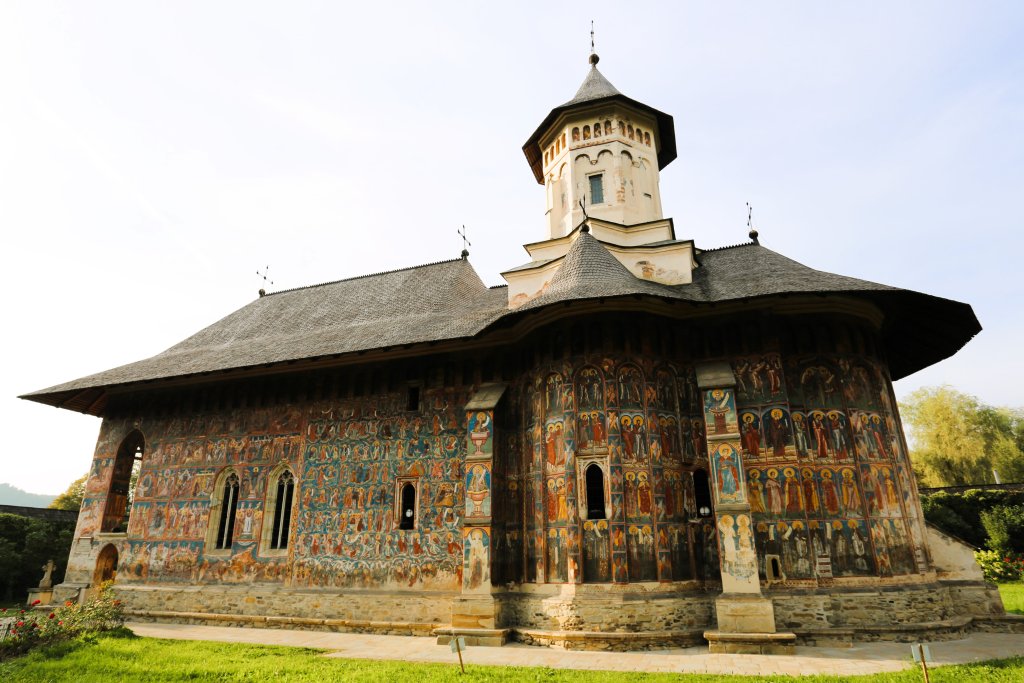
(596, 189)
(408, 520)
(702, 493)
(595, 492)
(586, 132)
(228, 508)
(283, 511)
(413, 399)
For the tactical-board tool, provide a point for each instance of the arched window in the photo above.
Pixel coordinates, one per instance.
(228, 509)
(702, 494)
(647, 139)
(126, 466)
(282, 511)
(408, 509)
(586, 132)
(607, 127)
(595, 492)
(597, 129)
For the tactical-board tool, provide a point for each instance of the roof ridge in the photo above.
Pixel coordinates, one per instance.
(360, 277)
(731, 246)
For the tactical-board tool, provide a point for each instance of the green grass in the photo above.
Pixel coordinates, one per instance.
(1013, 596)
(121, 656)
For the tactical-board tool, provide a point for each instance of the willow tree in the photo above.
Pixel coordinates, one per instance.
(957, 440)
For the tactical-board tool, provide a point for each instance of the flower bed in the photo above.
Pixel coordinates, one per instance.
(27, 629)
(1000, 567)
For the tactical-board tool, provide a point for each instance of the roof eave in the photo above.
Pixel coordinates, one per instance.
(666, 131)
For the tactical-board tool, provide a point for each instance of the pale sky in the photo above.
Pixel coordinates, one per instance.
(154, 156)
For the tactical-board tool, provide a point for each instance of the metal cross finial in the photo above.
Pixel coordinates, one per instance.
(592, 36)
(266, 279)
(750, 224)
(585, 225)
(466, 244)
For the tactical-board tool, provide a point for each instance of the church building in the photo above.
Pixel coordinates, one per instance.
(634, 443)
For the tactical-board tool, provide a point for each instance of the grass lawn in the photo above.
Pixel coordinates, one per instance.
(122, 656)
(1013, 596)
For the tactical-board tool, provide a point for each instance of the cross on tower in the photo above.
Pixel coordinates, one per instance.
(466, 244)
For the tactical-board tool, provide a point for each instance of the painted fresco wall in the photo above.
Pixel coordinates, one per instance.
(823, 464)
(346, 456)
(640, 422)
(818, 456)
(828, 479)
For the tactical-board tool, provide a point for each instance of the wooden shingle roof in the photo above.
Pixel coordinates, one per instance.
(447, 301)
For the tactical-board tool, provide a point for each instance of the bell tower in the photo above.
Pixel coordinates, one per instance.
(603, 150)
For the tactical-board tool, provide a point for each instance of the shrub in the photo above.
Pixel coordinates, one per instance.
(1005, 527)
(1000, 567)
(959, 514)
(31, 629)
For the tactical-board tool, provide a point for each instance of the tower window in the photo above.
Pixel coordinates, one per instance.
(413, 398)
(596, 189)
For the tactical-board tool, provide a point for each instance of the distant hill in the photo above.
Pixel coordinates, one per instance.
(12, 495)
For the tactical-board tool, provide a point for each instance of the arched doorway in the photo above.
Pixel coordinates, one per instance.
(106, 565)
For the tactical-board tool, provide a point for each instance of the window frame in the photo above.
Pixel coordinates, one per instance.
(270, 512)
(599, 178)
(217, 511)
(400, 484)
(583, 462)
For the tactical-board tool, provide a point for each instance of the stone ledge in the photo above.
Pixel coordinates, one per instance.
(481, 637)
(619, 641)
(1000, 623)
(779, 643)
(406, 628)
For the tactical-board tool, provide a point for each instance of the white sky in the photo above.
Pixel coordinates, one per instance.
(153, 156)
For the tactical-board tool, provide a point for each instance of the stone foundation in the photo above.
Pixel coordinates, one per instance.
(634, 608)
(390, 612)
(583, 617)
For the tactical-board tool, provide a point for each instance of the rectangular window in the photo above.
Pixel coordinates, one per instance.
(596, 189)
(413, 398)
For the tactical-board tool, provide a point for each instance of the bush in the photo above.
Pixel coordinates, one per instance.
(1005, 527)
(31, 629)
(959, 514)
(1000, 567)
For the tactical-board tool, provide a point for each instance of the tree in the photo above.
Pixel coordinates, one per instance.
(72, 498)
(957, 440)
(26, 544)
